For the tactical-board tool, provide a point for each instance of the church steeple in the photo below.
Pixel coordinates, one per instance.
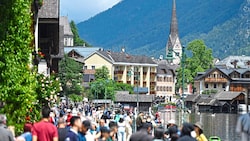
(173, 25)
(174, 43)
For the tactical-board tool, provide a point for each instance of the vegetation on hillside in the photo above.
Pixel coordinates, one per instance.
(143, 27)
(77, 40)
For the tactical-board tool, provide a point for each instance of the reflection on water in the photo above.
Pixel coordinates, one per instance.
(219, 124)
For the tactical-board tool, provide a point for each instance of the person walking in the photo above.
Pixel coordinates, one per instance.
(113, 131)
(26, 136)
(121, 129)
(105, 134)
(143, 134)
(198, 128)
(85, 134)
(5, 134)
(159, 134)
(44, 130)
(76, 124)
(243, 127)
(187, 132)
(62, 130)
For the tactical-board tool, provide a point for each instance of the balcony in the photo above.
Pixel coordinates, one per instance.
(120, 81)
(153, 83)
(136, 83)
(118, 72)
(128, 82)
(144, 73)
(136, 73)
(218, 80)
(152, 73)
(152, 92)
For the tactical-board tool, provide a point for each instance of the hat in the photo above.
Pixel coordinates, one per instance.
(199, 125)
(172, 121)
(68, 110)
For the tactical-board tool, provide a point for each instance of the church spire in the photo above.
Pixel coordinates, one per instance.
(173, 25)
(174, 43)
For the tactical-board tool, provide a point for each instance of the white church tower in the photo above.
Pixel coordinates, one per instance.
(174, 43)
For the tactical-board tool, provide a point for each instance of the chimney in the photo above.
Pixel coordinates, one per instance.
(234, 63)
(123, 49)
(161, 57)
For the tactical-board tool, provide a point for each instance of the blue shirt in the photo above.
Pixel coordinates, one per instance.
(72, 136)
(27, 136)
(82, 137)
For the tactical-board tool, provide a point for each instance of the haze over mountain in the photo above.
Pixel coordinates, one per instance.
(143, 26)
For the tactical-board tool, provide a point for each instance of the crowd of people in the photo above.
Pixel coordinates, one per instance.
(80, 125)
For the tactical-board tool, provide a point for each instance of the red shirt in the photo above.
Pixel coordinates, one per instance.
(45, 131)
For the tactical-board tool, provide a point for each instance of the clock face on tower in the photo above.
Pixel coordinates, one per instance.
(177, 53)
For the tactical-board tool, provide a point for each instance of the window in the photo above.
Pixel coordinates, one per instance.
(170, 79)
(170, 89)
(224, 85)
(206, 85)
(93, 67)
(215, 85)
(85, 67)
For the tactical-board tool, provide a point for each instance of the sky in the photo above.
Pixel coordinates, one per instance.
(80, 10)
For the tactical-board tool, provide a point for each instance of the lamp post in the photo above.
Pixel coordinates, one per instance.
(130, 73)
(170, 58)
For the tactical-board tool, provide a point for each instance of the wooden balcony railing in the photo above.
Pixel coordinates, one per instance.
(119, 72)
(152, 92)
(218, 80)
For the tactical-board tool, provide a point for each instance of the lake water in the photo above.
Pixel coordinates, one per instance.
(219, 124)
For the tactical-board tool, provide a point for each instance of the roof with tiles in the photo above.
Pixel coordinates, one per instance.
(83, 51)
(122, 57)
(227, 95)
(208, 101)
(49, 9)
(193, 97)
(241, 62)
(165, 68)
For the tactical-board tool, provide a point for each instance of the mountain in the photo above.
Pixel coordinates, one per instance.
(142, 26)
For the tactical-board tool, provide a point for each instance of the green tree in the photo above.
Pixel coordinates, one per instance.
(17, 82)
(105, 89)
(70, 74)
(102, 73)
(200, 60)
(102, 89)
(123, 87)
(76, 98)
(77, 40)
